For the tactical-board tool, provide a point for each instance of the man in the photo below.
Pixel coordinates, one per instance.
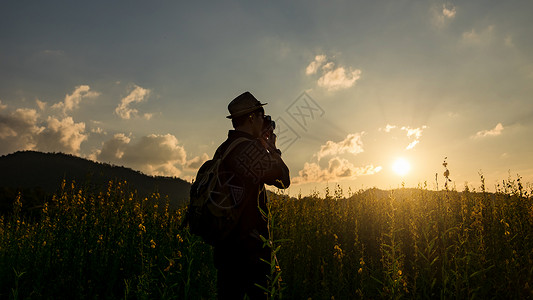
(254, 162)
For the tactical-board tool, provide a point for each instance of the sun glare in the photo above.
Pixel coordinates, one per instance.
(401, 167)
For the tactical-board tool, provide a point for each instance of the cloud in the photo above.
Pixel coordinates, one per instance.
(153, 154)
(96, 127)
(315, 65)
(443, 14)
(20, 130)
(351, 144)
(332, 78)
(113, 149)
(98, 130)
(40, 104)
(388, 128)
(73, 100)
(473, 37)
(156, 149)
(338, 79)
(337, 169)
(2, 106)
(328, 67)
(448, 11)
(62, 136)
(412, 144)
(497, 130)
(413, 134)
(197, 162)
(470, 35)
(138, 94)
(416, 132)
(453, 114)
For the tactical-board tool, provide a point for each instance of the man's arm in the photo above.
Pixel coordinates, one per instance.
(255, 162)
(278, 176)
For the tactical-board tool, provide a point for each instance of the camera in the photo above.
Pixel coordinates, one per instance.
(268, 123)
(268, 127)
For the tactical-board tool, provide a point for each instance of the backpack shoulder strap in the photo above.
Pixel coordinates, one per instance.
(234, 144)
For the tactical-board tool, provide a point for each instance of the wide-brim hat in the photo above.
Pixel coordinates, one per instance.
(245, 103)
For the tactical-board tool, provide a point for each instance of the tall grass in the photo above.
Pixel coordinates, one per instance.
(403, 243)
(408, 243)
(105, 245)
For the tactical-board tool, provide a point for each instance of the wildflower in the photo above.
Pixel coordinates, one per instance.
(338, 252)
(399, 272)
(152, 244)
(170, 264)
(142, 228)
(360, 270)
(178, 236)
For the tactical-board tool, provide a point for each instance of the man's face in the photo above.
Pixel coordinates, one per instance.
(257, 124)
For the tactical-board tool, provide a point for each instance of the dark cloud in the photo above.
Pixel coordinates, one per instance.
(20, 130)
(153, 154)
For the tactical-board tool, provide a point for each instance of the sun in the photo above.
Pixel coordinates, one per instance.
(401, 167)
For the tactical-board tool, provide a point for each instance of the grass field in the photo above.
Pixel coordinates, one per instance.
(372, 244)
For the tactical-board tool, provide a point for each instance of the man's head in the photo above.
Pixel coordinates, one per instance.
(247, 114)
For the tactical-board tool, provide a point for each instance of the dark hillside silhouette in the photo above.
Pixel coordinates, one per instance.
(38, 175)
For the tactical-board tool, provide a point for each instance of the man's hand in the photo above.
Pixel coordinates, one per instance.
(268, 141)
(271, 140)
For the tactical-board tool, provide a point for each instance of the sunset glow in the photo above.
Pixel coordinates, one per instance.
(401, 167)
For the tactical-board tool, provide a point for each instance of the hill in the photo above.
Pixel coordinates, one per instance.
(38, 175)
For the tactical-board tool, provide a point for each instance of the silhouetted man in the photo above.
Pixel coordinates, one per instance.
(247, 168)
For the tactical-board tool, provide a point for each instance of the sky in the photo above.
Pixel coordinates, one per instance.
(364, 93)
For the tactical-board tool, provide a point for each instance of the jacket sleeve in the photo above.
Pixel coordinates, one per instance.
(254, 162)
(277, 176)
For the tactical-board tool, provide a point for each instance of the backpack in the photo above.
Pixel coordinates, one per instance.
(212, 213)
